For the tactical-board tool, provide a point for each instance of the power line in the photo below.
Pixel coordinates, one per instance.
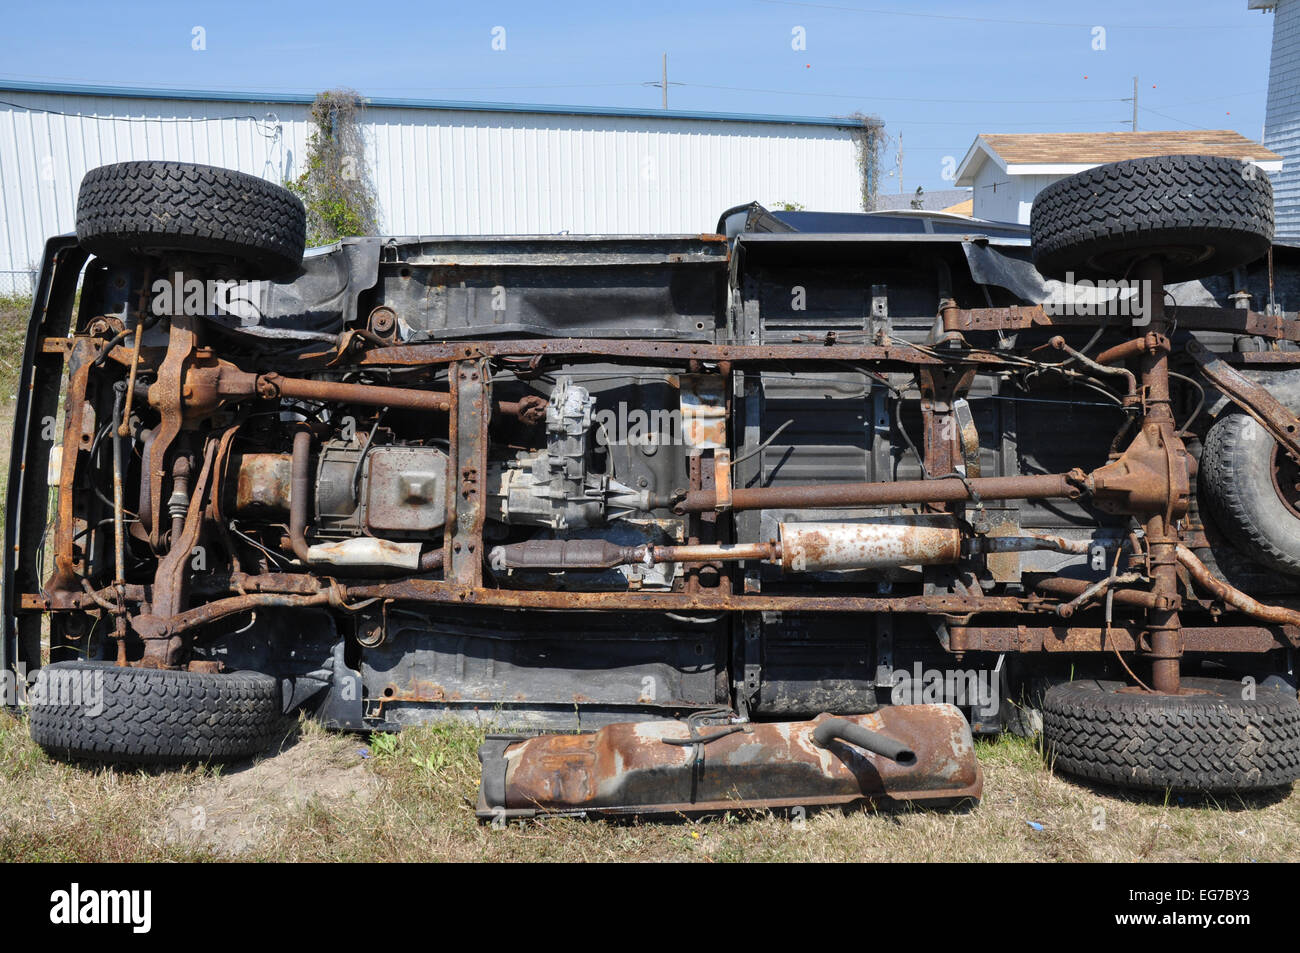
(301, 91)
(443, 89)
(1215, 99)
(1022, 22)
(308, 92)
(1153, 112)
(1012, 122)
(893, 122)
(266, 120)
(901, 99)
(739, 89)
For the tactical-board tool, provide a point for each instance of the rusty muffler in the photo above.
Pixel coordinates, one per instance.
(875, 543)
(902, 754)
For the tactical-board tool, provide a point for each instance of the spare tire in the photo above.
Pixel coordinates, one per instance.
(166, 209)
(1208, 740)
(102, 712)
(1253, 491)
(1201, 215)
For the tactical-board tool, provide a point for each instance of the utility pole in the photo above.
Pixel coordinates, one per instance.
(663, 82)
(666, 90)
(1135, 104)
(900, 163)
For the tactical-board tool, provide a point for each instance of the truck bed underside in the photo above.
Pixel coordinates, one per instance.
(567, 482)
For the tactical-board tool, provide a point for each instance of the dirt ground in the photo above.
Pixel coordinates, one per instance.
(331, 797)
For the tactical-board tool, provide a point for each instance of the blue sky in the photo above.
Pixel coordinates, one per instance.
(938, 72)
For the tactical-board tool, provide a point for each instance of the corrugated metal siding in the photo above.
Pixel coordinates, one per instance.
(455, 173)
(43, 155)
(436, 172)
(1282, 117)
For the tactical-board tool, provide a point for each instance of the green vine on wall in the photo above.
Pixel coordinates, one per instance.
(335, 185)
(870, 138)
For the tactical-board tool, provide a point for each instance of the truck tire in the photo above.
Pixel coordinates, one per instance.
(1243, 476)
(1201, 215)
(179, 208)
(101, 712)
(1211, 740)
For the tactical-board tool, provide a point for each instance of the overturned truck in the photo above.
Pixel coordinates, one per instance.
(780, 516)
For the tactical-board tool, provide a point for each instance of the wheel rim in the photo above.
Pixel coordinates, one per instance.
(1174, 257)
(1286, 479)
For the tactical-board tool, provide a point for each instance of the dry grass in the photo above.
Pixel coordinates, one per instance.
(329, 797)
(14, 313)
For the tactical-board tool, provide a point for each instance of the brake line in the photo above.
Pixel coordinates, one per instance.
(1110, 602)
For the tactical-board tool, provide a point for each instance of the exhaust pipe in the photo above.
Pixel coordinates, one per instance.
(841, 729)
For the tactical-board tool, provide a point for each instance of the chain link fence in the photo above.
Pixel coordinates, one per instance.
(17, 284)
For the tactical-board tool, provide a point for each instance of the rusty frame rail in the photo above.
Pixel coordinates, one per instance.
(1269, 412)
(666, 352)
(1144, 481)
(1022, 317)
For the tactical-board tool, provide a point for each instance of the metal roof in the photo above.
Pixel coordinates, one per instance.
(234, 96)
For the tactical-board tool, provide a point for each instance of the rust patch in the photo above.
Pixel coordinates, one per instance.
(872, 544)
(263, 483)
(666, 767)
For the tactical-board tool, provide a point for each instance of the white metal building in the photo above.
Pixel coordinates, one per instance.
(439, 168)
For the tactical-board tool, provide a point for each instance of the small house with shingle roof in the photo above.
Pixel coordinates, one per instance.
(1005, 172)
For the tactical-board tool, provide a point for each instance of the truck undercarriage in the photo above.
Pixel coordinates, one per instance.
(690, 495)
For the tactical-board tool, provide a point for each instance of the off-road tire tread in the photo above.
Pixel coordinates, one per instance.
(1211, 744)
(153, 716)
(1226, 488)
(1162, 200)
(149, 207)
